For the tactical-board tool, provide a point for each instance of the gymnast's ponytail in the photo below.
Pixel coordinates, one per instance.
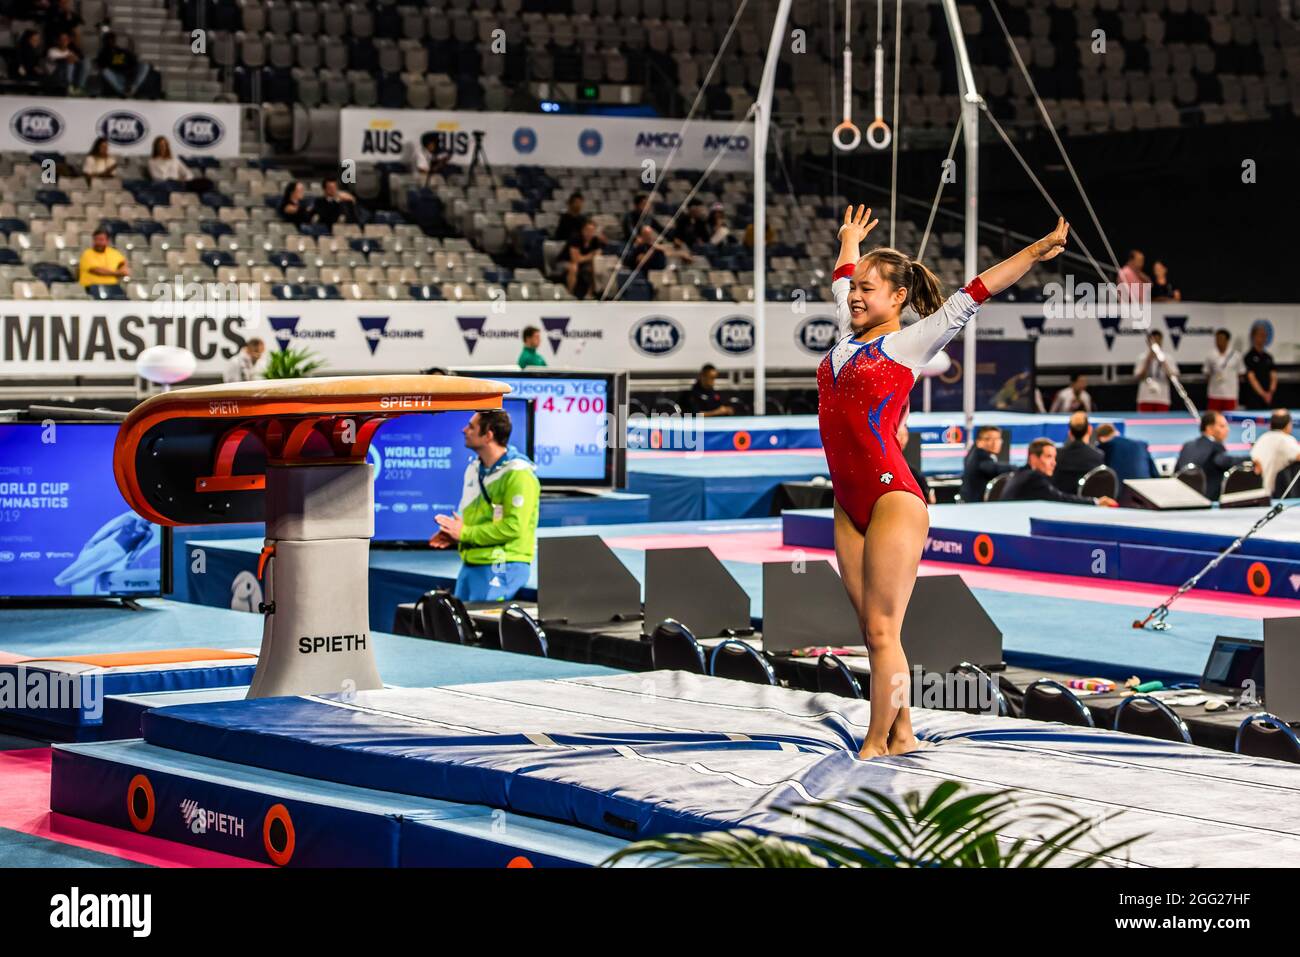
(924, 292)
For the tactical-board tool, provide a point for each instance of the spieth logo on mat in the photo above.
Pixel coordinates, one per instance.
(200, 821)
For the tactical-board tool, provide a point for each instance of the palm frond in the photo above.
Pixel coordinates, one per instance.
(948, 827)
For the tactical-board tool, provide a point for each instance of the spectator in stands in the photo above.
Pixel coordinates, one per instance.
(645, 254)
(693, 228)
(632, 219)
(1153, 372)
(1208, 453)
(1128, 458)
(1162, 290)
(246, 364)
(1033, 482)
(64, 18)
(571, 220)
(719, 232)
(1275, 450)
(768, 232)
(432, 156)
(1131, 272)
(122, 71)
(29, 58)
(1223, 369)
(101, 264)
(166, 168)
(1077, 457)
(334, 204)
(982, 465)
(703, 398)
(67, 68)
(294, 207)
(579, 260)
(98, 164)
(919, 474)
(1074, 397)
(528, 355)
(1261, 378)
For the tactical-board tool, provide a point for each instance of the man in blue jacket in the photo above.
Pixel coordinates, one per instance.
(1130, 458)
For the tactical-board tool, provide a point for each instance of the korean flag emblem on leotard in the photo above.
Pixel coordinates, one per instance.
(886, 478)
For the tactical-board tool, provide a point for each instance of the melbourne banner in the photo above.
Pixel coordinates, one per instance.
(104, 338)
(508, 139)
(33, 124)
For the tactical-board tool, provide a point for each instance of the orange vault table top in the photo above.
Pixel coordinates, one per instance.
(199, 456)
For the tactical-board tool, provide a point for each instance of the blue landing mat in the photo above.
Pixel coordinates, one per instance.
(693, 488)
(1206, 530)
(166, 624)
(232, 809)
(639, 755)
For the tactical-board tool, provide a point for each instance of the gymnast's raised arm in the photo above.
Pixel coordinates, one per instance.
(852, 234)
(920, 342)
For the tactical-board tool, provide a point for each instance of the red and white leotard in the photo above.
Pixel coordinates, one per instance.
(862, 393)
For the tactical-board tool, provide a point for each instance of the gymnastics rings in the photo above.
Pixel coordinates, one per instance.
(854, 135)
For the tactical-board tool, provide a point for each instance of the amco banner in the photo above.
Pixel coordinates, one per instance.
(510, 139)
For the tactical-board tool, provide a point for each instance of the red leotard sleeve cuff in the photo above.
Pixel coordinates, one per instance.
(843, 272)
(976, 290)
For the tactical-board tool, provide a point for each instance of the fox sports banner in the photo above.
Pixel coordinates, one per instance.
(65, 125)
(104, 338)
(508, 139)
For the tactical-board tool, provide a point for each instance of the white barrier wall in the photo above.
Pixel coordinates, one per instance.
(103, 338)
(34, 124)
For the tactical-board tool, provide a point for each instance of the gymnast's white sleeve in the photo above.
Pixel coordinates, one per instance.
(918, 343)
(840, 290)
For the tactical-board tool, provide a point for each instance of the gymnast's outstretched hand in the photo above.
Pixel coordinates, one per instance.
(1053, 244)
(856, 225)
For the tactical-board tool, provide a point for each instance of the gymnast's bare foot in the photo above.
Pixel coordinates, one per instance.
(871, 750)
(903, 745)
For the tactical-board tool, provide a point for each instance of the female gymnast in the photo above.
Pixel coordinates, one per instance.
(863, 385)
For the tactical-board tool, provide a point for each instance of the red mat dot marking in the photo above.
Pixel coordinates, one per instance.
(741, 440)
(520, 862)
(983, 549)
(1258, 579)
(140, 803)
(278, 836)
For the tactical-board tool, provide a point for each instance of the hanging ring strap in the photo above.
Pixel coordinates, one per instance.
(879, 135)
(847, 136)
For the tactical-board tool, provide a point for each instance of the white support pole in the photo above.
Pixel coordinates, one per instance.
(970, 101)
(762, 119)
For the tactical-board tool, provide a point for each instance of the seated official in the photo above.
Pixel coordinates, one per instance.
(703, 398)
(1077, 457)
(1033, 482)
(1276, 449)
(1128, 458)
(982, 465)
(495, 529)
(1208, 453)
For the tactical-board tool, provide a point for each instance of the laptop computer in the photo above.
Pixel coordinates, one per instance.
(1235, 667)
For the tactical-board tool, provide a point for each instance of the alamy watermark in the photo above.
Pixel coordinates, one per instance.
(1107, 300)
